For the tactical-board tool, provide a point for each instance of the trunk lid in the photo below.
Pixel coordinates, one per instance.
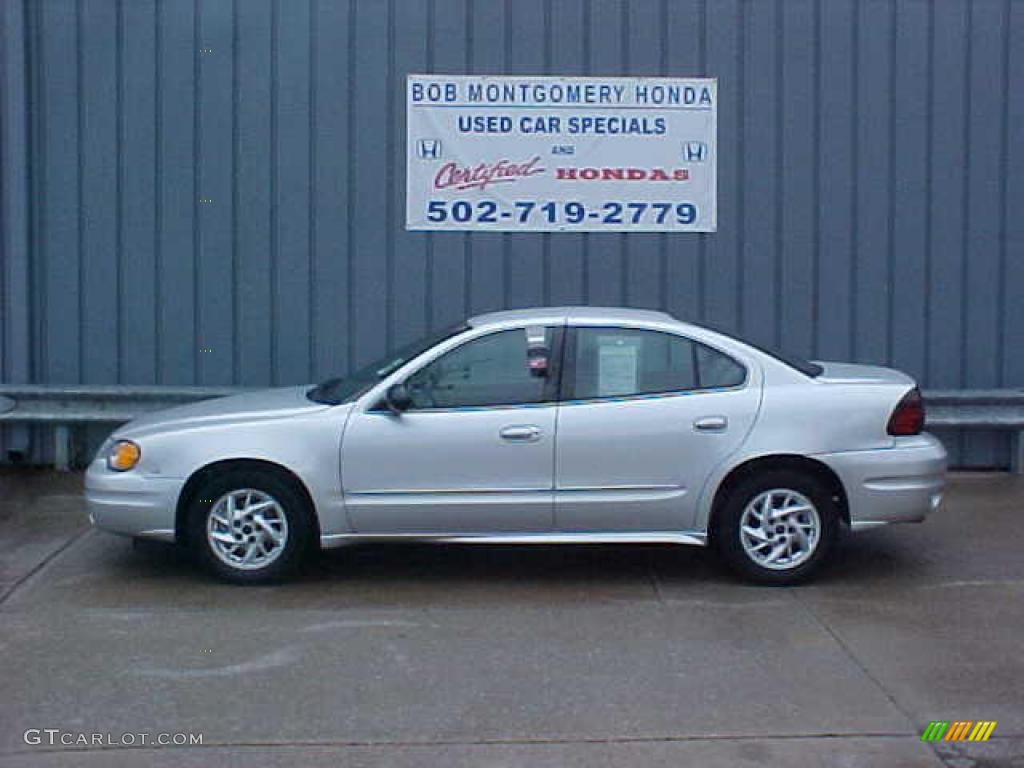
(855, 373)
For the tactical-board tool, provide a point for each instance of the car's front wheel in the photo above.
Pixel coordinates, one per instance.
(777, 527)
(249, 527)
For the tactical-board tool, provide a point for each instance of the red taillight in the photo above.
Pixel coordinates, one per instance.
(908, 418)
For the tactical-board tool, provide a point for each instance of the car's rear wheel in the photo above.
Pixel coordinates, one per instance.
(777, 527)
(250, 527)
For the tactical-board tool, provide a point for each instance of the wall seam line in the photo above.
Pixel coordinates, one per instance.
(891, 190)
(389, 163)
(121, 183)
(741, 166)
(79, 184)
(275, 161)
(929, 243)
(1004, 131)
(350, 186)
(816, 181)
(780, 170)
(197, 162)
(965, 201)
(313, 212)
(855, 178)
(158, 194)
(236, 353)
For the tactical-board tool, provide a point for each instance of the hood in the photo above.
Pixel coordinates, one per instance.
(854, 373)
(249, 406)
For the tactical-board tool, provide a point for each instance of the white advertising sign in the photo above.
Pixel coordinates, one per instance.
(561, 154)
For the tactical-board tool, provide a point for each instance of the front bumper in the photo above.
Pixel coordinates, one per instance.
(901, 484)
(130, 503)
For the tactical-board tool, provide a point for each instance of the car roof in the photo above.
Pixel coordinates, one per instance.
(549, 315)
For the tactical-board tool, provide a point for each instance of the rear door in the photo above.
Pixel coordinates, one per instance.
(647, 415)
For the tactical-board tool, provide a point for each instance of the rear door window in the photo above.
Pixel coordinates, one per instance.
(625, 362)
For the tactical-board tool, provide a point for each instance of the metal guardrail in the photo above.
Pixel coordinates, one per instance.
(65, 407)
(994, 409)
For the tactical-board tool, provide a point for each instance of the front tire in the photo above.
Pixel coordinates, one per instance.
(250, 526)
(777, 527)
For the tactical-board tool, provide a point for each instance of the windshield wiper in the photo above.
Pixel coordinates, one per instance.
(321, 393)
(390, 368)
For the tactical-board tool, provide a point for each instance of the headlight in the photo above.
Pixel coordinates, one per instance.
(123, 455)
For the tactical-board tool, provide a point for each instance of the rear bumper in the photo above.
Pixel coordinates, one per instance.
(131, 504)
(902, 484)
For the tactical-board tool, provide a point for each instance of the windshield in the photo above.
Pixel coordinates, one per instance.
(343, 389)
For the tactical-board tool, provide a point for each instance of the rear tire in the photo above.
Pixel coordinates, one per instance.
(250, 527)
(777, 527)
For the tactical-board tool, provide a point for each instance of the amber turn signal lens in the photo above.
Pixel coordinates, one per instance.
(124, 455)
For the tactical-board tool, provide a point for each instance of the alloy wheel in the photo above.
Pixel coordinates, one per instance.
(780, 529)
(247, 529)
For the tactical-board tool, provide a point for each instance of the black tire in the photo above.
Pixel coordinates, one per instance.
(726, 534)
(293, 504)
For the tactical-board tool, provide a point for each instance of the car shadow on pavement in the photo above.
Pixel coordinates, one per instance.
(870, 557)
(397, 563)
(425, 575)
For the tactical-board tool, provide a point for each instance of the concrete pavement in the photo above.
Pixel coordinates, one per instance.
(513, 656)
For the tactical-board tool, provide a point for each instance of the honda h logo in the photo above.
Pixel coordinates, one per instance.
(695, 151)
(429, 149)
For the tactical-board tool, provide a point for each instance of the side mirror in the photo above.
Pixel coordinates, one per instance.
(398, 398)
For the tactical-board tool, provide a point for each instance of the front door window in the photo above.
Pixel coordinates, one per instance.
(493, 370)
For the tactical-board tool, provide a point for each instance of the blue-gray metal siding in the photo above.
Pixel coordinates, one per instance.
(871, 180)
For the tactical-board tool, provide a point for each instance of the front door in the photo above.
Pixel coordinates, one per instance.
(474, 453)
(647, 417)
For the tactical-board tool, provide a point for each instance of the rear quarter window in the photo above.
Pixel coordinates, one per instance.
(806, 367)
(717, 369)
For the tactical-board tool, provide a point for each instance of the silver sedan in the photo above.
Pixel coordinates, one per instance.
(559, 425)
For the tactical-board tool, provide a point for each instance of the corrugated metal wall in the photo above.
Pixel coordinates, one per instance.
(871, 176)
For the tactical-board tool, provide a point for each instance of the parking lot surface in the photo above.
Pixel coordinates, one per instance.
(513, 656)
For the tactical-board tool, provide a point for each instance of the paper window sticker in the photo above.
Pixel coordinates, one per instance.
(617, 366)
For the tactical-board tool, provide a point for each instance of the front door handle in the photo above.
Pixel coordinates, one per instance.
(711, 424)
(520, 433)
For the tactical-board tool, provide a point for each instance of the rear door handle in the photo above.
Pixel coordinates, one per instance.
(711, 424)
(520, 433)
